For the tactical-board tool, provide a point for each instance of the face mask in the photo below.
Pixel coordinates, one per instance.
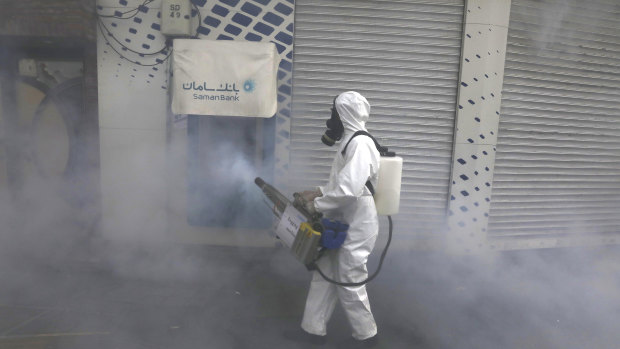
(334, 128)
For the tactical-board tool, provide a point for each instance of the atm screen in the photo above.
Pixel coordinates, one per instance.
(225, 154)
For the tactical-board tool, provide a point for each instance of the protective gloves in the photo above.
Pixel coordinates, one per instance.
(310, 195)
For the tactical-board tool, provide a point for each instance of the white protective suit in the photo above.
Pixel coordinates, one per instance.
(346, 198)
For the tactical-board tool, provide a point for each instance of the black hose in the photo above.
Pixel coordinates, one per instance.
(352, 284)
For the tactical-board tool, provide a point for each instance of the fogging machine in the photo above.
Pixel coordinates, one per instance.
(305, 234)
(309, 235)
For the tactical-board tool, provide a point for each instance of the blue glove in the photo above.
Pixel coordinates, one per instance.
(334, 233)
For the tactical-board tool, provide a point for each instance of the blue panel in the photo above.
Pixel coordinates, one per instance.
(155, 26)
(242, 19)
(272, 18)
(204, 30)
(253, 37)
(263, 28)
(232, 29)
(212, 21)
(286, 65)
(199, 3)
(220, 10)
(230, 2)
(286, 89)
(280, 48)
(264, 2)
(283, 9)
(284, 38)
(224, 37)
(251, 9)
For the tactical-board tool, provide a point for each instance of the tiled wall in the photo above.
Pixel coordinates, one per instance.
(477, 121)
(132, 118)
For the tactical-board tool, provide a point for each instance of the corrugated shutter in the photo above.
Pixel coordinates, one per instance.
(557, 171)
(404, 57)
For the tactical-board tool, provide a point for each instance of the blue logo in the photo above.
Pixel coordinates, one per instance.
(249, 85)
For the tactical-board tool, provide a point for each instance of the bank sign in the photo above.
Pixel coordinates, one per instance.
(224, 78)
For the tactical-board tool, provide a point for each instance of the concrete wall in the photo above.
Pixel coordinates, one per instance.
(143, 146)
(132, 122)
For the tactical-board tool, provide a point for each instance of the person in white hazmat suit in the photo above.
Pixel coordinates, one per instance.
(347, 199)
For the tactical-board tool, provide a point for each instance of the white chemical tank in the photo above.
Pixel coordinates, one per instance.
(387, 193)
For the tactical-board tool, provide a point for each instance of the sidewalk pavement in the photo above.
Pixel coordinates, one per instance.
(231, 298)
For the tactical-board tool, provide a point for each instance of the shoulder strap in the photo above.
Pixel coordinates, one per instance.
(379, 147)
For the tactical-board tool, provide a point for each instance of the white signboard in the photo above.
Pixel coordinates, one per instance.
(289, 225)
(224, 78)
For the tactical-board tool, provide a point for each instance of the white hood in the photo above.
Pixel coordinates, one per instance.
(354, 111)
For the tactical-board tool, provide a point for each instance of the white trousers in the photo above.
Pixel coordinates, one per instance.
(346, 264)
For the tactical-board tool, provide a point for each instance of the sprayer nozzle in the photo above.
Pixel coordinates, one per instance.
(259, 181)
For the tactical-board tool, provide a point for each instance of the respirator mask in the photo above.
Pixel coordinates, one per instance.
(335, 129)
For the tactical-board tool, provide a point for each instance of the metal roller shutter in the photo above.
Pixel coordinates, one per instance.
(404, 57)
(557, 171)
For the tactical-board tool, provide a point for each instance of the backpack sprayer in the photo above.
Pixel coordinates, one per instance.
(308, 235)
